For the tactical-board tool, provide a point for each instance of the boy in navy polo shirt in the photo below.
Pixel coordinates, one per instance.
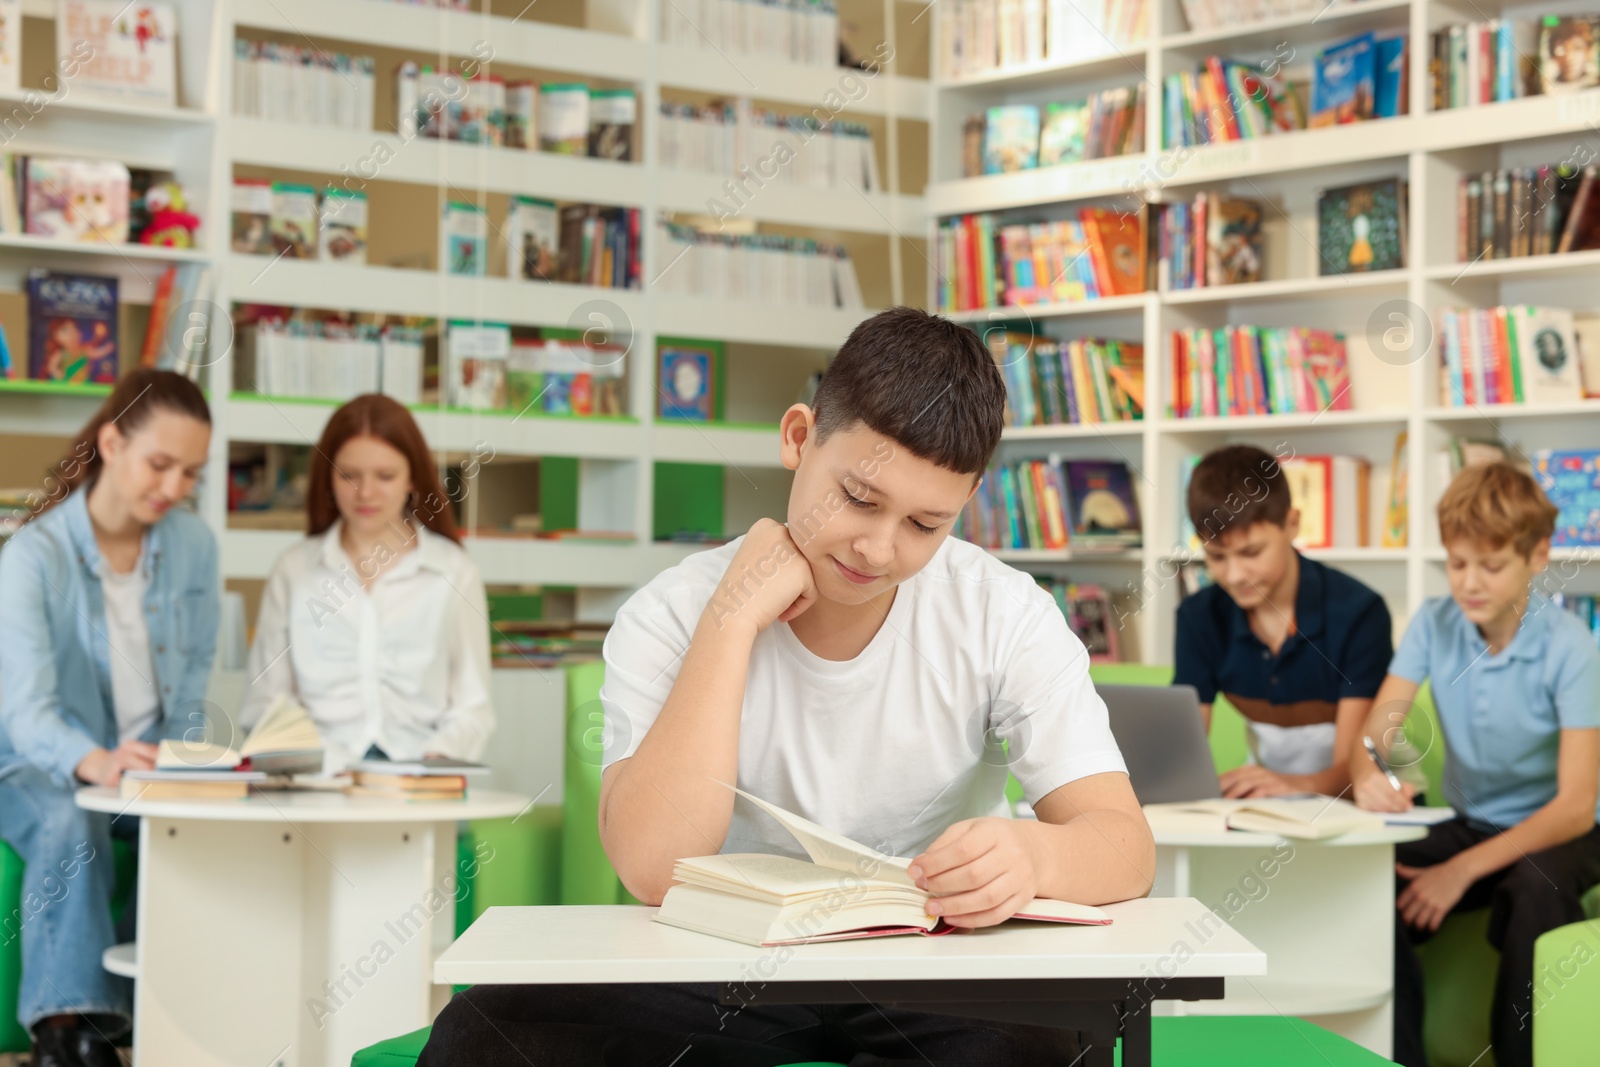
(1299, 648)
(1516, 682)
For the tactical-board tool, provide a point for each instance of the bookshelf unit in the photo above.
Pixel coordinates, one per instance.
(604, 42)
(1392, 390)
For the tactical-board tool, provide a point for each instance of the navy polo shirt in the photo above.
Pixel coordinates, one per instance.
(1340, 648)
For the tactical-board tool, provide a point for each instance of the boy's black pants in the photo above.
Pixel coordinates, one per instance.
(684, 1026)
(1532, 896)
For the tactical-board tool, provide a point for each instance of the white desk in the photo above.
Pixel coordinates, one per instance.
(288, 929)
(1099, 979)
(1325, 918)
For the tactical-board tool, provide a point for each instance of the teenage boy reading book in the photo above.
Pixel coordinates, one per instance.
(861, 668)
(1516, 682)
(1298, 647)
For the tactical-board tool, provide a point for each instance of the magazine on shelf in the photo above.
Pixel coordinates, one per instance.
(123, 52)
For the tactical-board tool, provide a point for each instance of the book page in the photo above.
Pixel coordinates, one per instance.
(829, 849)
(286, 727)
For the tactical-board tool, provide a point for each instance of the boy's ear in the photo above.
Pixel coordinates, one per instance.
(1291, 523)
(1539, 558)
(796, 431)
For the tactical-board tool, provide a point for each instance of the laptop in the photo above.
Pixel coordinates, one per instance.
(1163, 742)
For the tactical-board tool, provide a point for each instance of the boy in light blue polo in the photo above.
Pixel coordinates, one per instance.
(1516, 682)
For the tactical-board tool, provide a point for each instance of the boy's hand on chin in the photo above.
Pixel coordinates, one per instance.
(981, 872)
(767, 581)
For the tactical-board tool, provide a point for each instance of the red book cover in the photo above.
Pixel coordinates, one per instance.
(1118, 240)
(1219, 87)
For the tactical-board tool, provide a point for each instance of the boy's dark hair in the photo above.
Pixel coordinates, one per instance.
(922, 381)
(1233, 488)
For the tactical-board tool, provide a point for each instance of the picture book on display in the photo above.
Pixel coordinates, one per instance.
(1509, 355)
(294, 220)
(1100, 502)
(847, 891)
(1571, 480)
(1362, 227)
(72, 327)
(74, 199)
(1345, 82)
(343, 227)
(1011, 141)
(123, 52)
(1569, 53)
(464, 239)
(1215, 239)
(252, 216)
(533, 231)
(1332, 495)
(1089, 615)
(475, 371)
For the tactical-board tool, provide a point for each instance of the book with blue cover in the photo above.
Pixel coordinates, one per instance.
(1571, 479)
(1345, 82)
(1390, 65)
(72, 327)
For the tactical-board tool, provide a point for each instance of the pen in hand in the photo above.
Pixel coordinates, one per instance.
(1372, 750)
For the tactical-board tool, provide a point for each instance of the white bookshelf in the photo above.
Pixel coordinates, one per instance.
(599, 41)
(1431, 150)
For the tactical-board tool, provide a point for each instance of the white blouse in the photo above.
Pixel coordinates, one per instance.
(404, 665)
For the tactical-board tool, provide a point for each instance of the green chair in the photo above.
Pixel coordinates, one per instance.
(587, 876)
(1566, 1028)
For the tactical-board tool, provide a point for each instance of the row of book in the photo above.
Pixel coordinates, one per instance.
(305, 86)
(329, 360)
(783, 31)
(1331, 492)
(1493, 60)
(542, 644)
(1051, 504)
(74, 326)
(1059, 383)
(1204, 15)
(484, 368)
(577, 243)
(1516, 355)
(1528, 211)
(567, 118)
(1017, 137)
(1089, 615)
(1214, 239)
(982, 264)
(1228, 100)
(1256, 370)
(979, 36)
(735, 137)
(767, 267)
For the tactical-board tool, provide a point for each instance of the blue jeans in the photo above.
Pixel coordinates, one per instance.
(64, 913)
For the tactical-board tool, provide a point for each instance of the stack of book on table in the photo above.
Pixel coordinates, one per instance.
(284, 742)
(433, 778)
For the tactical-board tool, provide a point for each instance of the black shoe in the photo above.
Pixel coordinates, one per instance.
(72, 1046)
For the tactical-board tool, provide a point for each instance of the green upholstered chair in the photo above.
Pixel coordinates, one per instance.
(587, 876)
(1566, 1027)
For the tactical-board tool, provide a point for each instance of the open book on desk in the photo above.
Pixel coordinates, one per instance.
(847, 891)
(285, 741)
(1309, 817)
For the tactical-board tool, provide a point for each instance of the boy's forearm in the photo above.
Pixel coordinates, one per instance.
(666, 802)
(1100, 857)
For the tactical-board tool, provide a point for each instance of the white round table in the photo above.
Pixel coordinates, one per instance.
(1323, 911)
(288, 928)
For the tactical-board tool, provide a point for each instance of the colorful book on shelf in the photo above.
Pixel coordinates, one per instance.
(1392, 68)
(1345, 82)
(1247, 370)
(252, 216)
(1233, 240)
(1362, 227)
(1331, 493)
(294, 220)
(121, 52)
(1101, 504)
(762, 899)
(464, 239)
(343, 230)
(476, 365)
(1062, 133)
(75, 199)
(72, 327)
(1396, 514)
(1569, 53)
(1011, 139)
(1571, 481)
(1506, 355)
(533, 240)
(1089, 615)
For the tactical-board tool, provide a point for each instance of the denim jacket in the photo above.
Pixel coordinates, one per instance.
(55, 671)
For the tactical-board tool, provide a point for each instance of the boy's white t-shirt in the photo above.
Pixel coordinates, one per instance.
(892, 747)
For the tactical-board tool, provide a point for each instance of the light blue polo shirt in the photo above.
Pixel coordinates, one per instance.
(1501, 715)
